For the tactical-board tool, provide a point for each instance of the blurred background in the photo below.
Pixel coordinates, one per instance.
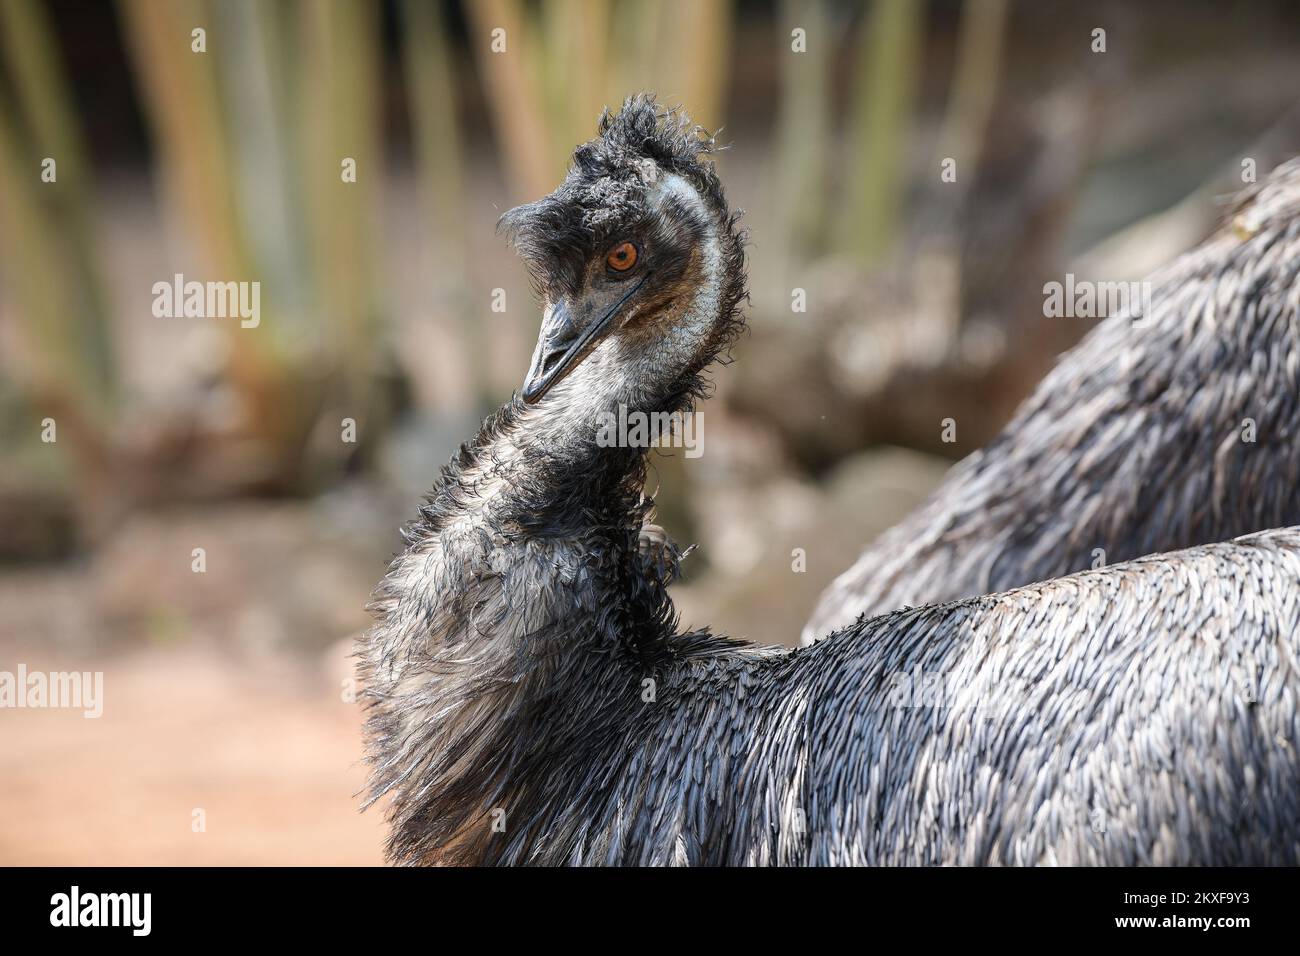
(205, 527)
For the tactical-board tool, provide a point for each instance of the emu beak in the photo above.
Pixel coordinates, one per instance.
(561, 347)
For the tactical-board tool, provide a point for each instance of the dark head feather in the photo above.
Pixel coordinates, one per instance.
(604, 190)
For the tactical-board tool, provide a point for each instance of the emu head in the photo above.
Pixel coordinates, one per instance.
(637, 259)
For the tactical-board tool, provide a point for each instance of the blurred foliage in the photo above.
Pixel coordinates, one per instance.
(246, 142)
(251, 138)
(884, 90)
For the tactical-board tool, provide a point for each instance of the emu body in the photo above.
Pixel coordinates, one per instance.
(533, 700)
(1182, 429)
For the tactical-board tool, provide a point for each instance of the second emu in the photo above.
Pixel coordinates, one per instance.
(532, 699)
(1177, 430)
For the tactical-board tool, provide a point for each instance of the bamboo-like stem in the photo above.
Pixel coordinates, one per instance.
(249, 60)
(640, 47)
(585, 24)
(179, 89)
(702, 57)
(48, 108)
(803, 130)
(974, 88)
(517, 106)
(574, 60)
(339, 88)
(32, 257)
(883, 94)
(440, 177)
(60, 376)
(970, 103)
(180, 92)
(429, 82)
(551, 49)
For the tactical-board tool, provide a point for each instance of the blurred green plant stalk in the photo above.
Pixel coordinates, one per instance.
(428, 67)
(49, 244)
(53, 234)
(858, 213)
(801, 147)
(882, 100)
(252, 135)
(549, 69)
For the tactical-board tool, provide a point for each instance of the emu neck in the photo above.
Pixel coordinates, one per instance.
(520, 592)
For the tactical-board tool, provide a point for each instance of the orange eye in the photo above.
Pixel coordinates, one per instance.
(622, 257)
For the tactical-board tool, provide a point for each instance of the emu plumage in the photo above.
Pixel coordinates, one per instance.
(532, 699)
(1134, 444)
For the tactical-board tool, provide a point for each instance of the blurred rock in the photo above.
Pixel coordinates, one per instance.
(750, 589)
(277, 575)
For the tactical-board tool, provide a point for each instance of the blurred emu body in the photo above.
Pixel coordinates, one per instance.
(1183, 429)
(531, 699)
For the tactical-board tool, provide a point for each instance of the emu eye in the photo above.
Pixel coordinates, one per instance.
(622, 257)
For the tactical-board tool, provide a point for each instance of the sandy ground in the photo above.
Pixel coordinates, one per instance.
(270, 756)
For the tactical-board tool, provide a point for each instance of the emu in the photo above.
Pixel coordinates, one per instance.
(532, 700)
(1177, 430)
